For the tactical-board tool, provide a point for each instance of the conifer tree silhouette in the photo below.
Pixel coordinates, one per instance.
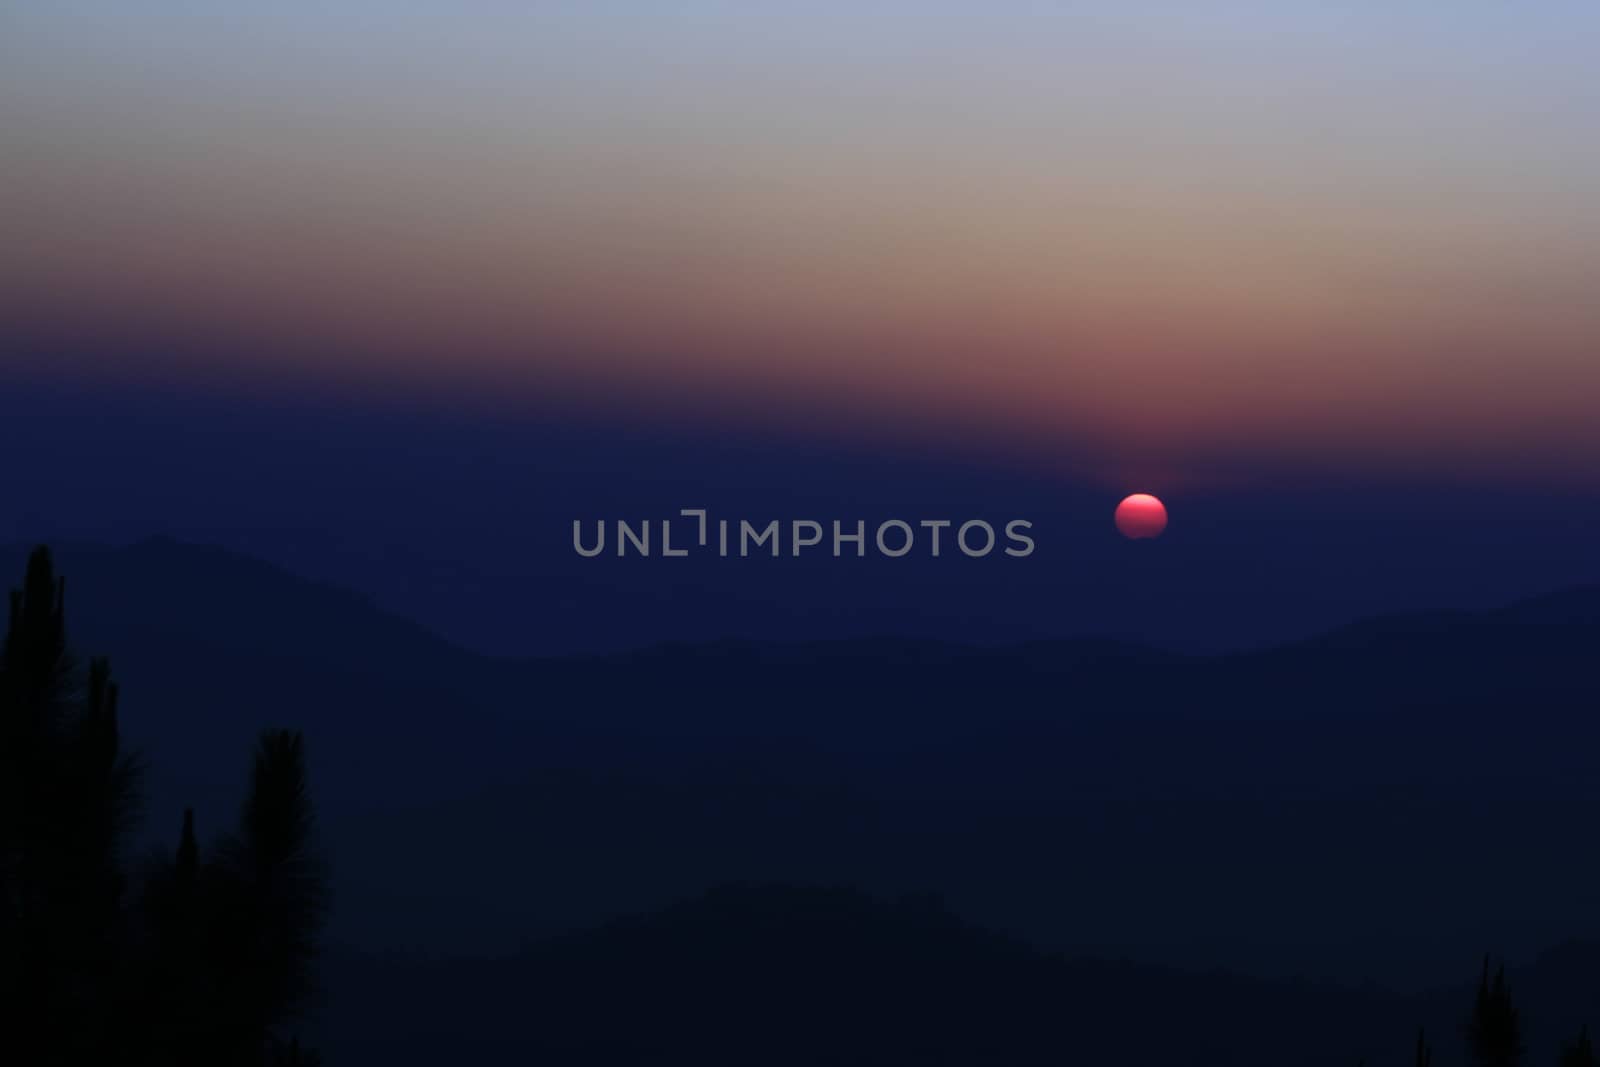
(235, 933)
(1579, 1053)
(1494, 1033)
(187, 864)
(1424, 1053)
(174, 983)
(218, 953)
(68, 796)
(271, 892)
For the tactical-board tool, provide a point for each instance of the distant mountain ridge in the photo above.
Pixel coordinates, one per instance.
(161, 583)
(806, 975)
(1358, 775)
(328, 615)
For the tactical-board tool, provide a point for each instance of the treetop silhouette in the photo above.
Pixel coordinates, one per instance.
(213, 955)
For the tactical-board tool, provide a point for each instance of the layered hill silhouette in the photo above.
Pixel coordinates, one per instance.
(786, 975)
(1384, 801)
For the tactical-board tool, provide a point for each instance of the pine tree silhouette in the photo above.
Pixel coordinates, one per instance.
(1424, 1053)
(218, 952)
(1580, 1053)
(68, 797)
(235, 933)
(1494, 1033)
(270, 889)
(186, 866)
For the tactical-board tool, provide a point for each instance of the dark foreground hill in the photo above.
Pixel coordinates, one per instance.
(778, 975)
(1385, 801)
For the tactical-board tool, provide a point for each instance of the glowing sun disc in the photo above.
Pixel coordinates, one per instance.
(1141, 515)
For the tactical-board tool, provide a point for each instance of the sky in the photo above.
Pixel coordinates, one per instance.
(1344, 237)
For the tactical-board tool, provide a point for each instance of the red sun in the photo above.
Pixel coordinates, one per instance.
(1141, 515)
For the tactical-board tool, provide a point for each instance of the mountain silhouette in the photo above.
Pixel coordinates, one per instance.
(1056, 791)
(793, 975)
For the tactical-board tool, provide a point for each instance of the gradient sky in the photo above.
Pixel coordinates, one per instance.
(1348, 235)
